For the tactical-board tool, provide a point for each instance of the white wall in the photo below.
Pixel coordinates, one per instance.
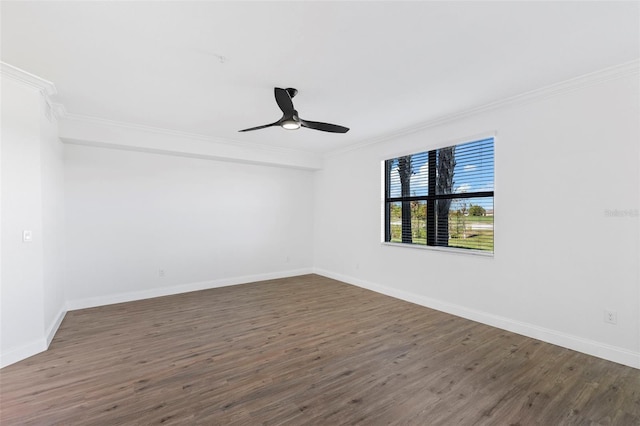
(561, 161)
(207, 222)
(31, 191)
(53, 230)
(204, 222)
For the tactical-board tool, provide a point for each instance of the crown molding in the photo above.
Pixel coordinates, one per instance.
(186, 154)
(75, 129)
(58, 110)
(114, 124)
(46, 87)
(586, 80)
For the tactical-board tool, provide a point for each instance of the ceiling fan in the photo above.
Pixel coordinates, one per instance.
(290, 119)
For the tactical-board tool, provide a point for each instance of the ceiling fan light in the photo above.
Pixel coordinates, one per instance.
(290, 125)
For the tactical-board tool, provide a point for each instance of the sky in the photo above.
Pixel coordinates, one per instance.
(474, 171)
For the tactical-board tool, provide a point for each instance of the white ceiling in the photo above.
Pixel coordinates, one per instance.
(209, 68)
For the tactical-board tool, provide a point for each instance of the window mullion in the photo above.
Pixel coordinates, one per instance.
(431, 203)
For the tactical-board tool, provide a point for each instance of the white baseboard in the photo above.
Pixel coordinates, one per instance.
(177, 289)
(589, 347)
(53, 328)
(18, 354)
(30, 349)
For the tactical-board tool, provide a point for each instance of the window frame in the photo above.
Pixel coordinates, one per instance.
(431, 199)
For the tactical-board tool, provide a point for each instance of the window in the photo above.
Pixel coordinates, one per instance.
(442, 197)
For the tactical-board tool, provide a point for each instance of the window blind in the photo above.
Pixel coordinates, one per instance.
(442, 197)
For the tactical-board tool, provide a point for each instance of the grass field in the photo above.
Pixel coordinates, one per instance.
(470, 232)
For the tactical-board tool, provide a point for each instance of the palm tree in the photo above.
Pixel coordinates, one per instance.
(405, 171)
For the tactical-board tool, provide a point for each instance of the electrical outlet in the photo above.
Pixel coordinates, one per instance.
(161, 273)
(610, 317)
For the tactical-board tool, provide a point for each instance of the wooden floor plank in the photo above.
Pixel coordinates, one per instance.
(305, 350)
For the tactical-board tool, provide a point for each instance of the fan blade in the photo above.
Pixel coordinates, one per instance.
(325, 127)
(284, 101)
(277, 123)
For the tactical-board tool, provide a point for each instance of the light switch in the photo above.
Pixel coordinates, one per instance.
(27, 236)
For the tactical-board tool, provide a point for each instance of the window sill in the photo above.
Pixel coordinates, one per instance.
(441, 249)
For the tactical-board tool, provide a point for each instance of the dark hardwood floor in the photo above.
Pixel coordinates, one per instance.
(305, 350)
